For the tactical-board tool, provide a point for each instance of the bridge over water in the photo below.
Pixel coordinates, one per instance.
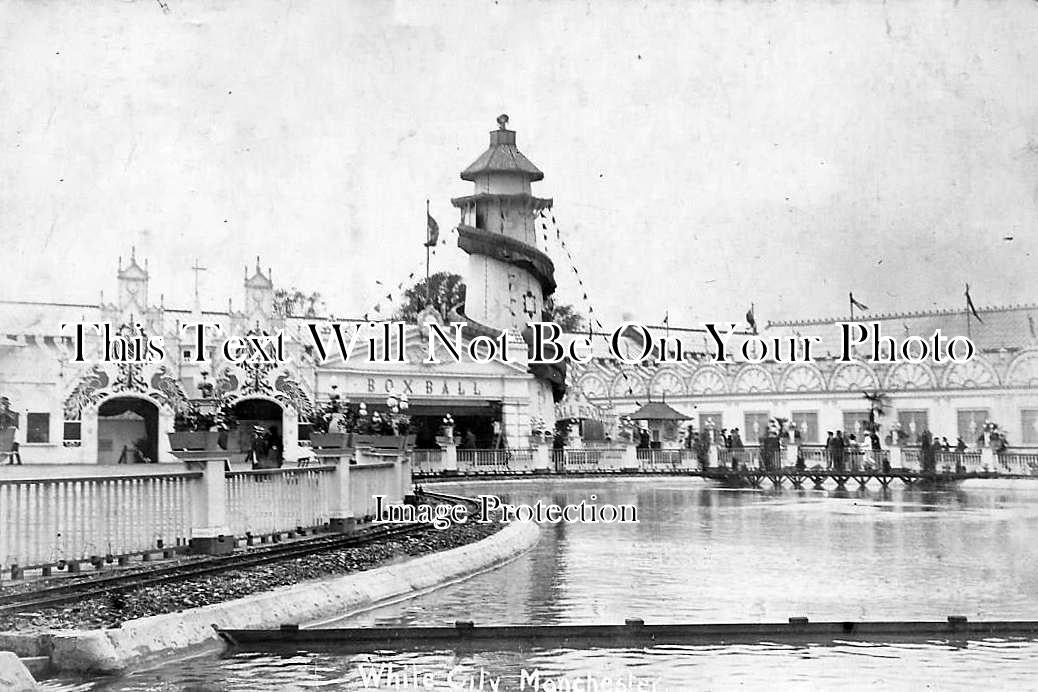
(744, 467)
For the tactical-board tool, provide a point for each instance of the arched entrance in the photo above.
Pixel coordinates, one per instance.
(127, 431)
(261, 429)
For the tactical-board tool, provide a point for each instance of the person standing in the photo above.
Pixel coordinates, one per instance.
(926, 451)
(737, 448)
(839, 447)
(8, 428)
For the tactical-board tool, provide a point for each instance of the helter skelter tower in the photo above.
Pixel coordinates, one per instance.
(508, 277)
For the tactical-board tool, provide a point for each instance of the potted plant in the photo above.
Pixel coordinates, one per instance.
(194, 430)
(331, 425)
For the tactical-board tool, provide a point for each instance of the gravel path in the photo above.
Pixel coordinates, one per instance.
(113, 609)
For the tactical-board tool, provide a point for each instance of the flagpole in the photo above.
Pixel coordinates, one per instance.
(850, 297)
(428, 285)
(969, 323)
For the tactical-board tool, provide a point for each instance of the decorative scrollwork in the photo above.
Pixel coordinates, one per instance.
(970, 375)
(753, 378)
(854, 377)
(129, 378)
(292, 394)
(708, 380)
(87, 392)
(667, 382)
(910, 376)
(168, 389)
(802, 378)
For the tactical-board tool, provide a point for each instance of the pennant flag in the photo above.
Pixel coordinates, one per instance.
(969, 304)
(751, 319)
(432, 230)
(857, 304)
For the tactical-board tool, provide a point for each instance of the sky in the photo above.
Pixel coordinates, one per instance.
(701, 155)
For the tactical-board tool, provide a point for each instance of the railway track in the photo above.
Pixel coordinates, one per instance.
(92, 587)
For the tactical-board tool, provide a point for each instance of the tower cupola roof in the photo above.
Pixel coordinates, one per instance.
(502, 156)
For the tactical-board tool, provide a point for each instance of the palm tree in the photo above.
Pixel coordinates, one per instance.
(878, 402)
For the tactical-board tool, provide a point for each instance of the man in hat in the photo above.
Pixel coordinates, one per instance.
(8, 426)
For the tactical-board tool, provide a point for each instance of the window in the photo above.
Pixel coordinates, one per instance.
(756, 427)
(807, 425)
(913, 423)
(37, 428)
(72, 431)
(1029, 427)
(971, 424)
(854, 422)
(714, 418)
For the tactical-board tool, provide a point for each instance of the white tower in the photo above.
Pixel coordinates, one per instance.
(508, 277)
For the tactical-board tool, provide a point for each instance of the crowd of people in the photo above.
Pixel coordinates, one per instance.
(842, 451)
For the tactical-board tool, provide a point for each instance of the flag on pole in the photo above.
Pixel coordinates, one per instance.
(432, 230)
(857, 304)
(751, 319)
(969, 304)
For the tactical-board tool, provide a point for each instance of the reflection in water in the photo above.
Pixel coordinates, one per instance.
(706, 554)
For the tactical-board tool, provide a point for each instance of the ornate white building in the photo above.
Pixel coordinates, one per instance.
(999, 384)
(85, 412)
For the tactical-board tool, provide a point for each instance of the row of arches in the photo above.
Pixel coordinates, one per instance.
(806, 377)
(130, 426)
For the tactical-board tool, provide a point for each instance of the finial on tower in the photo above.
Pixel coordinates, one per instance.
(502, 121)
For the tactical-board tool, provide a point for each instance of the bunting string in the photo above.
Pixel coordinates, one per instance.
(592, 317)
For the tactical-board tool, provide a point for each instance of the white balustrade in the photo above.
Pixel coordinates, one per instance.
(665, 459)
(494, 460)
(590, 459)
(47, 520)
(271, 500)
(428, 460)
(1017, 463)
(911, 458)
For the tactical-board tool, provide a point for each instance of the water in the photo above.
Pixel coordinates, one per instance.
(706, 554)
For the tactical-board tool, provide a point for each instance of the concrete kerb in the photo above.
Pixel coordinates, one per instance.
(140, 641)
(14, 676)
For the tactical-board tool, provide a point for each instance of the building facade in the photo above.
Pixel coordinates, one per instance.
(999, 384)
(117, 412)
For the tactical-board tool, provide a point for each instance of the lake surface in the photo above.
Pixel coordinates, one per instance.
(701, 553)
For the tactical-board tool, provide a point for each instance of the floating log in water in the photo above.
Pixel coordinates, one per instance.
(633, 632)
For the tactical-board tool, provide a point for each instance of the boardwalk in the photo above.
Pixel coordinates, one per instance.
(742, 468)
